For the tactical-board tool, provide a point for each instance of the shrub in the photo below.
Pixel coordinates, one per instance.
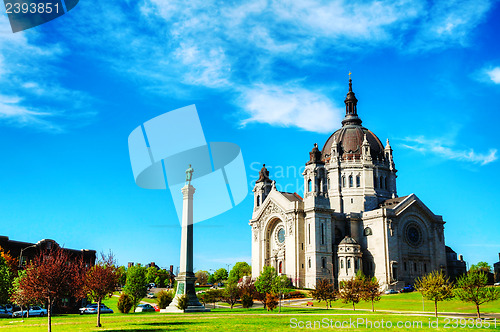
(182, 302)
(125, 303)
(295, 295)
(164, 298)
(246, 301)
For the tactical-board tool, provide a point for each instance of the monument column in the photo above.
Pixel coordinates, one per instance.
(186, 277)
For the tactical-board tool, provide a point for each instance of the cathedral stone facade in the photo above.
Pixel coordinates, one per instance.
(350, 217)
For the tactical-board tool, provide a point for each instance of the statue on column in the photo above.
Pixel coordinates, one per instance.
(189, 174)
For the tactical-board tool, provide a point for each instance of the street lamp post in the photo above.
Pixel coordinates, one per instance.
(21, 254)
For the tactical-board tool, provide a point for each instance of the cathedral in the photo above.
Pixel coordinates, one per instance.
(349, 219)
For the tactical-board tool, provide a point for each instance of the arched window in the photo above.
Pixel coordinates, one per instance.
(386, 186)
(323, 262)
(343, 181)
(280, 267)
(309, 263)
(350, 181)
(258, 200)
(358, 181)
(367, 231)
(309, 184)
(328, 183)
(341, 263)
(356, 265)
(348, 263)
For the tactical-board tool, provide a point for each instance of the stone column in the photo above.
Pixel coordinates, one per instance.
(186, 278)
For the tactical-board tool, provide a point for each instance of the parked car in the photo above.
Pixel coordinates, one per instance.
(151, 295)
(92, 309)
(496, 284)
(32, 312)
(157, 308)
(407, 289)
(390, 291)
(144, 308)
(5, 314)
(10, 307)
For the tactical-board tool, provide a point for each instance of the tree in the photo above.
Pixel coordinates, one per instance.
(371, 291)
(264, 283)
(483, 266)
(202, 277)
(247, 291)
(324, 291)
(280, 285)
(8, 272)
(213, 296)
(51, 275)
(231, 294)
(351, 290)
(5, 281)
(220, 275)
(124, 303)
(472, 287)
(122, 272)
(239, 270)
(136, 286)
(435, 287)
(151, 273)
(20, 296)
(101, 281)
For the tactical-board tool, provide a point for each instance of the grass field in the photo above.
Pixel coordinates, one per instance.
(413, 302)
(260, 320)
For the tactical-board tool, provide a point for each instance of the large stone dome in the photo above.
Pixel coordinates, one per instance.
(349, 139)
(351, 136)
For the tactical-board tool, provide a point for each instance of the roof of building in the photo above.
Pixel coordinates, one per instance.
(392, 202)
(292, 197)
(348, 240)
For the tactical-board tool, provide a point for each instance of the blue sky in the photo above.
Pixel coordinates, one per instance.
(268, 76)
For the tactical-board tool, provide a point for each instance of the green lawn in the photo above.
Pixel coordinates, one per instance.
(226, 320)
(257, 319)
(413, 302)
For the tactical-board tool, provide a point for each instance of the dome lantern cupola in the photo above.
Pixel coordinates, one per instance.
(351, 108)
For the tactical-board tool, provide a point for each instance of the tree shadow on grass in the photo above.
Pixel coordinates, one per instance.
(164, 323)
(136, 330)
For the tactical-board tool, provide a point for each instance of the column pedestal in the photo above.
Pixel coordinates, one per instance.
(186, 278)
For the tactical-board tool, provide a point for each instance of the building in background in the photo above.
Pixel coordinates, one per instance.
(26, 251)
(350, 217)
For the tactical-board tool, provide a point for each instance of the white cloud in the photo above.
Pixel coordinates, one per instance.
(449, 23)
(494, 74)
(290, 107)
(31, 94)
(236, 45)
(442, 149)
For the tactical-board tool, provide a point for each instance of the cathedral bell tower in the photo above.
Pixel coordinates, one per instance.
(315, 180)
(263, 186)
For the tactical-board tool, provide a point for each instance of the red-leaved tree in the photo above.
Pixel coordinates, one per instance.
(52, 275)
(102, 279)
